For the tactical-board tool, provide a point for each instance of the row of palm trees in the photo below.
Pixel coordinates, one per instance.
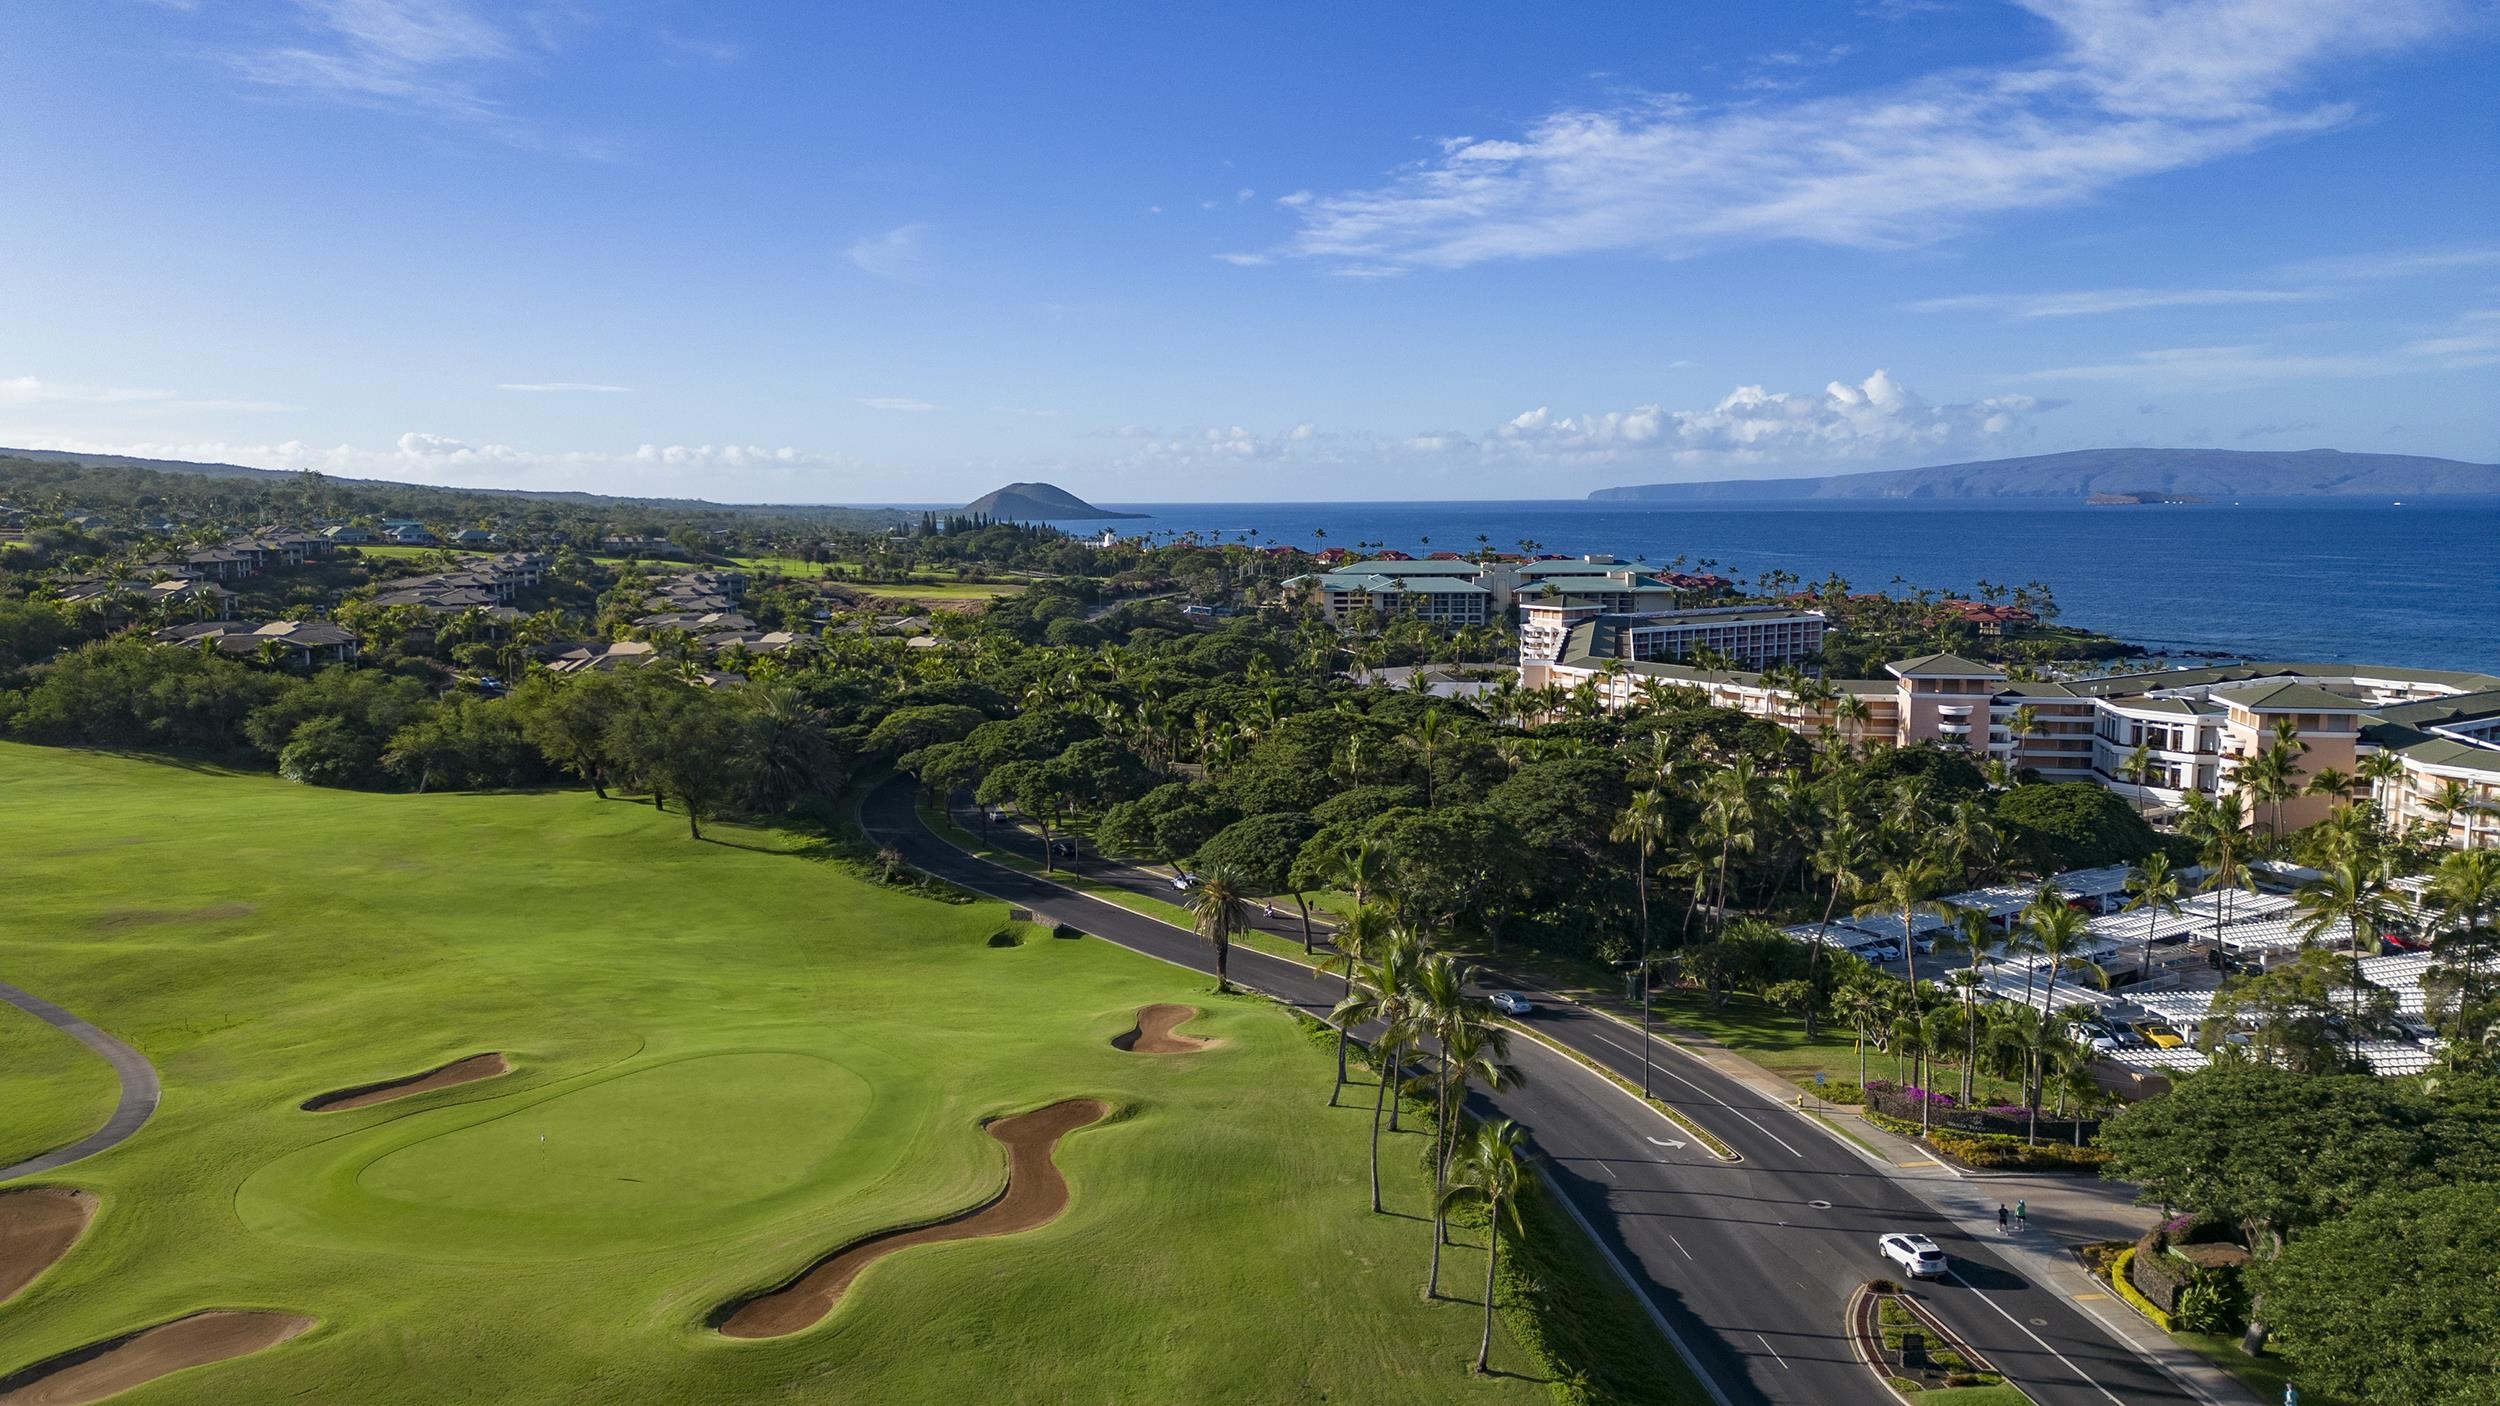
(1417, 1004)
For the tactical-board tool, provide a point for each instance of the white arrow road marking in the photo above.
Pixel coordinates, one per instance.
(1663, 1142)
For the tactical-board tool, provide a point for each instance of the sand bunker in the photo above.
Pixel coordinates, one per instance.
(121, 918)
(109, 1368)
(1156, 1032)
(37, 1227)
(459, 1071)
(1034, 1195)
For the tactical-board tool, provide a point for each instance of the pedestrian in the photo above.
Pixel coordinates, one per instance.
(2000, 1215)
(2022, 1215)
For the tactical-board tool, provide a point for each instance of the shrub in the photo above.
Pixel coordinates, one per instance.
(2126, 1289)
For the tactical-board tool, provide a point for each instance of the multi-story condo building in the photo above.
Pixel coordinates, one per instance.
(2153, 737)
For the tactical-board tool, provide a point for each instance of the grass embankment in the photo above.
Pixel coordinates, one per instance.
(53, 1089)
(728, 1059)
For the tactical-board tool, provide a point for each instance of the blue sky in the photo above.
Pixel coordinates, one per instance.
(803, 252)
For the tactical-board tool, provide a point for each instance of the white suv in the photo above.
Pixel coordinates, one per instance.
(1917, 1255)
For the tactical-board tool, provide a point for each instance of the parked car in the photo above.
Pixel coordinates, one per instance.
(1918, 1256)
(2160, 1036)
(1509, 1003)
(2098, 1039)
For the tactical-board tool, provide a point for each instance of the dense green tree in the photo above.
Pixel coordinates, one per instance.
(2071, 825)
(1259, 852)
(2397, 1302)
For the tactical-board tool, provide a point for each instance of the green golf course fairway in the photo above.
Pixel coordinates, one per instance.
(52, 1091)
(739, 1056)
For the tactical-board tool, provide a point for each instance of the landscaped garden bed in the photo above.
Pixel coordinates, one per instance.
(1916, 1356)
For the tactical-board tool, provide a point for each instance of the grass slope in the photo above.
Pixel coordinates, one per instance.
(737, 1057)
(53, 1090)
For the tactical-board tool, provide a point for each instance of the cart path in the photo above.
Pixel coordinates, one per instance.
(139, 1094)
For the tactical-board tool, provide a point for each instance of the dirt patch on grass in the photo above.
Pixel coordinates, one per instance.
(121, 918)
(1033, 1197)
(459, 1071)
(1157, 1032)
(108, 1368)
(37, 1227)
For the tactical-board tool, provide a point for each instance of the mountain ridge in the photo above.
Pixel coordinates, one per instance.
(2082, 473)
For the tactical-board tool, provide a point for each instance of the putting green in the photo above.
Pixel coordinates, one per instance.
(651, 1153)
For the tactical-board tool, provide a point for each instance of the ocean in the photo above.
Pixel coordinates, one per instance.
(2329, 580)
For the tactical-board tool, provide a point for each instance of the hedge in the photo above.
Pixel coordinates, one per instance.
(2126, 1289)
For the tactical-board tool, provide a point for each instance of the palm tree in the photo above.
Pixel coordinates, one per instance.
(2133, 771)
(1472, 1050)
(2153, 890)
(2378, 770)
(1853, 715)
(2056, 928)
(1908, 889)
(1359, 940)
(1863, 1010)
(1974, 933)
(1842, 855)
(1383, 994)
(2352, 895)
(2451, 797)
(1728, 816)
(2334, 783)
(1427, 740)
(1643, 824)
(2466, 888)
(2221, 835)
(1491, 1171)
(1220, 910)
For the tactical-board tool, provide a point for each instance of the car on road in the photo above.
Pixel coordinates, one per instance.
(1184, 882)
(1917, 1255)
(1509, 1003)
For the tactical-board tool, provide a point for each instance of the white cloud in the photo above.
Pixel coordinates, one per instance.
(1244, 261)
(2094, 301)
(2133, 88)
(902, 253)
(432, 59)
(425, 457)
(1294, 200)
(31, 390)
(2392, 263)
(560, 387)
(898, 402)
(1873, 422)
(2470, 341)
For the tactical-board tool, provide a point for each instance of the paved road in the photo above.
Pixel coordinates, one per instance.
(138, 1078)
(1748, 1263)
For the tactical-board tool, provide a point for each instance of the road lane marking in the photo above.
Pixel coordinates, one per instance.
(2091, 1298)
(1775, 1352)
(1665, 1142)
(1705, 1093)
(1999, 1308)
(1609, 1171)
(1679, 1246)
(1683, 1349)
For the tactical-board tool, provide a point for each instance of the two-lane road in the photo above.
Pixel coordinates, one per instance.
(1748, 1263)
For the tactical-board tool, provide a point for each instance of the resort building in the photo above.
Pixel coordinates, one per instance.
(1454, 591)
(2151, 737)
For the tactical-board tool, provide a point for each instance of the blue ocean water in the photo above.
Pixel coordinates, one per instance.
(2415, 585)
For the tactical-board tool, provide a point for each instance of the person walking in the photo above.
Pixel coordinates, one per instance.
(2000, 1215)
(2022, 1215)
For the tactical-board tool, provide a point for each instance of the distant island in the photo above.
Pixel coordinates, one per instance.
(1037, 502)
(2129, 475)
